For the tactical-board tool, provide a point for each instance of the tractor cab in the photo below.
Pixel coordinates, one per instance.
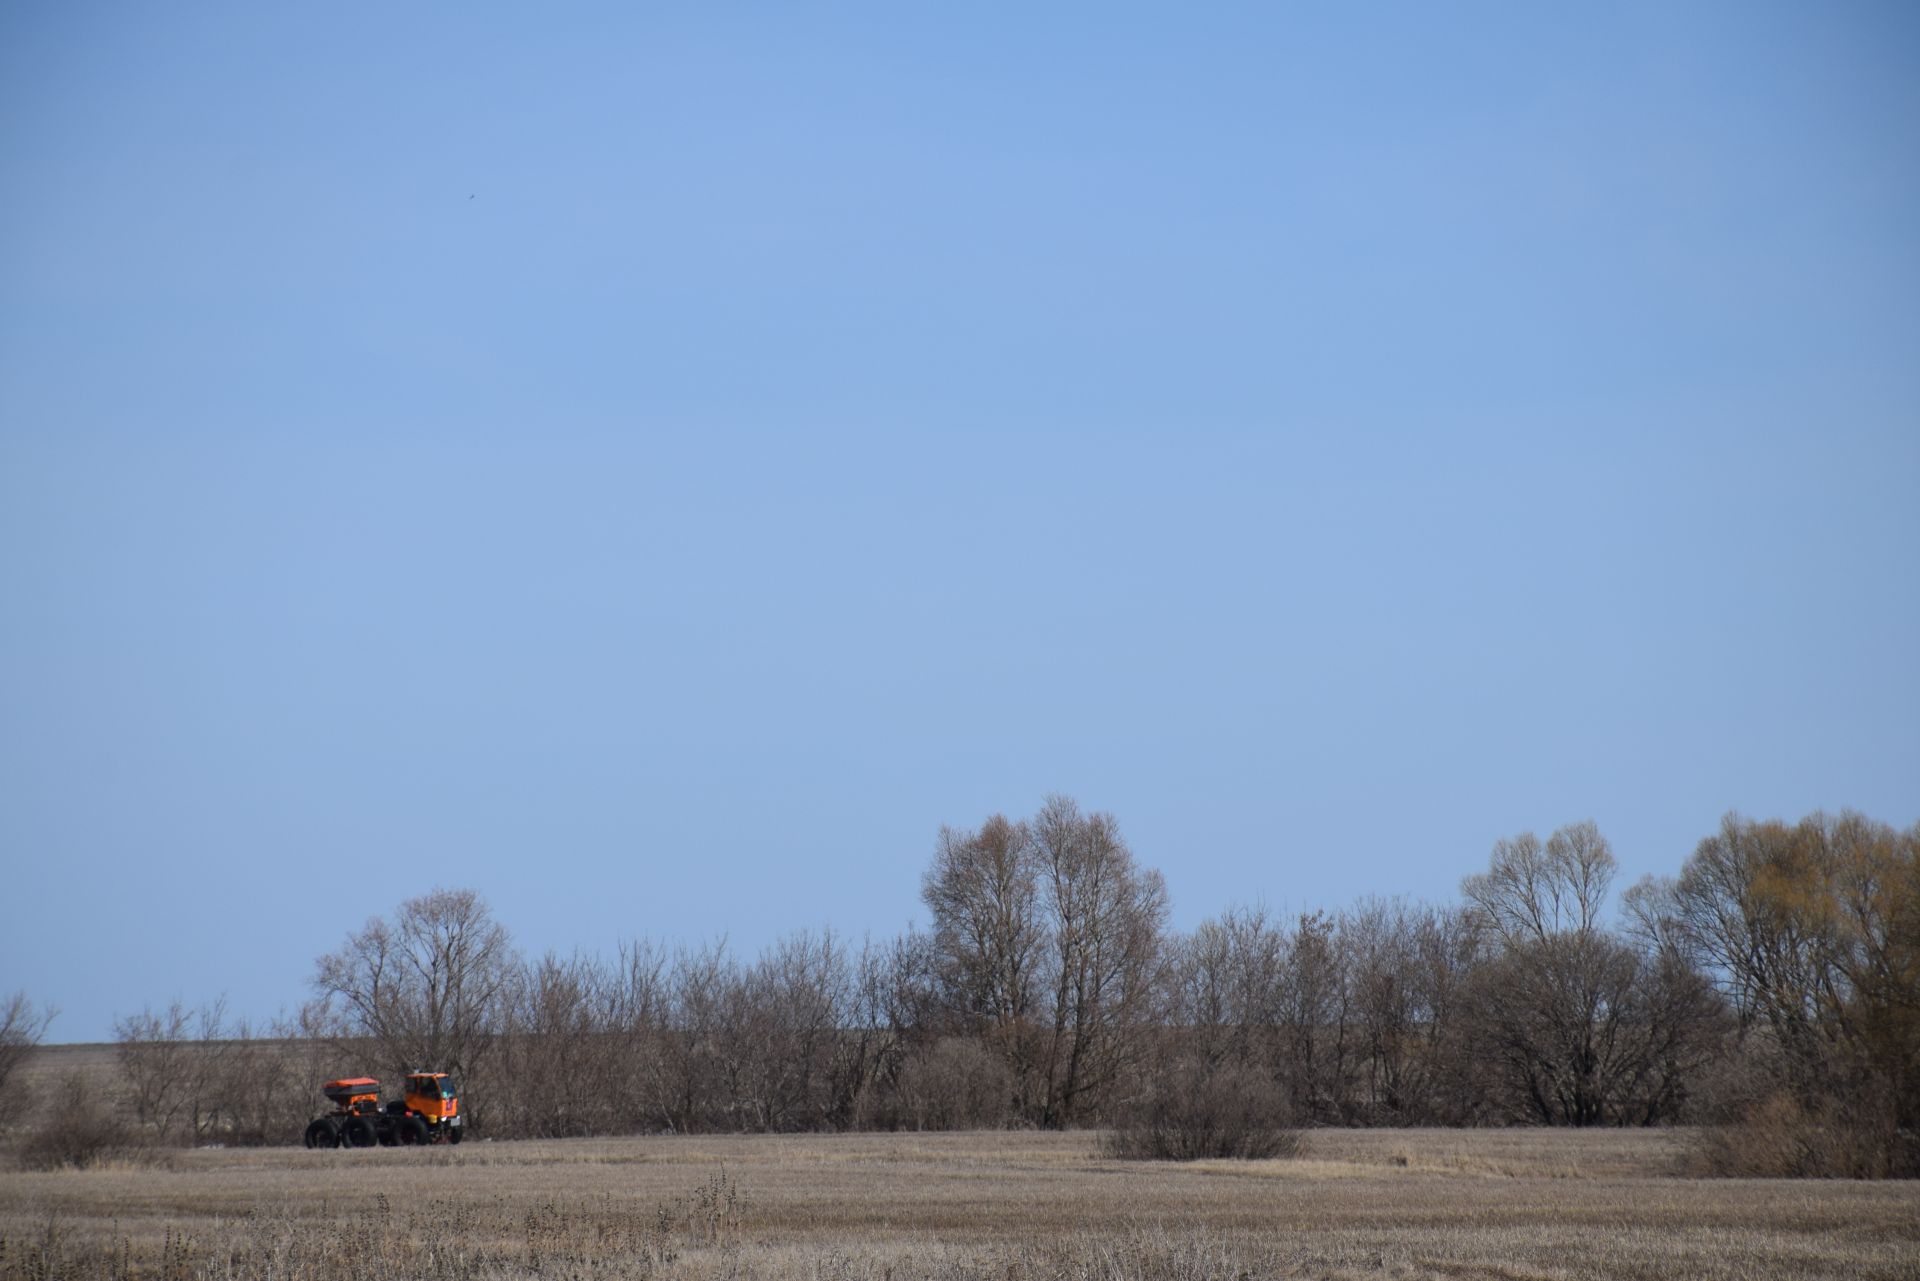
(433, 1096)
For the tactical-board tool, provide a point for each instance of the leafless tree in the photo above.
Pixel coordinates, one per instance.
(1047, 943)
(1813, 931)
(1224, 986)
(699, 1061)
(793, 1003)
(1813, 928)
(1531, 892)
(955, 1083)
(983, 891)
(1199, 1002)
(158, 1068)
(259, 1082)
(872, 1038)
(1408, 963)
(1587, 1028)
(553, 1029)
(637, 1002)
(425, 985)
(22, 1024)
(988, 944)
(1445, 955)
(1313, 1014)
(1106, 919)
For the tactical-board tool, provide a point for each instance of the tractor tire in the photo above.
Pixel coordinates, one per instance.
(359, 1133)
(410, 1131)
(453, 1134)
(323, 1134)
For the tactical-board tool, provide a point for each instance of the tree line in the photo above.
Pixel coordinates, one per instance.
(1770, 990)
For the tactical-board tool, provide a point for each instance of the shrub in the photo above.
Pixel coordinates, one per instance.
(1780, 1138)
(79, 1131)
(1196, 1112)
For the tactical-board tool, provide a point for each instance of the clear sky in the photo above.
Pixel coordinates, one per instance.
(656, 464)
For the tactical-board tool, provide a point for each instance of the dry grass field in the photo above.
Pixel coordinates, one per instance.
(1414, 1204)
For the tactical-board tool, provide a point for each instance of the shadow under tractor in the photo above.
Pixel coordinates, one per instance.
(427, 1112)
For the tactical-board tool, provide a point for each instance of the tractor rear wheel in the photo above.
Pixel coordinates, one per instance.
(323, 1134)
(410, 1130)
(359, 1133)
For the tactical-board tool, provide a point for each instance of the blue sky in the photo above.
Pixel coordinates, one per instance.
(654, 465)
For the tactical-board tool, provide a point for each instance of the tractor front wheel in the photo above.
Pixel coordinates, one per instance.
(323, 1134)
(454, 1133)
(360, 1133)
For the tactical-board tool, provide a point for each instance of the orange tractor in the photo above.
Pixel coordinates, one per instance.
(428, 1112)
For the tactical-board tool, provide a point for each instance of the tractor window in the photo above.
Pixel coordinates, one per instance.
(446, 1087)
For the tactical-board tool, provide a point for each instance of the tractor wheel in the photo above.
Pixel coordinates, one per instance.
(410, 1130)
(360, 1133)
(454, 1133)
(323, 1134)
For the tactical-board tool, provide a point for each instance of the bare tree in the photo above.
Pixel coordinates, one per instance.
(699, 1062)
(157, 1068)
(903, 1001)
(261, 1087)
(1313, 1014)
(1588, 1029)
(1549, 998)
(793, 1001)
(1532, 892)
(553, 1029)
(636, 1000)
(1224, 990)
(1813, 931)
(1199, 977)
(872, 1038)
(1813, 928)
(1445, 955)
(1398, 1017)
(426, 985)
(955, 1083)
(1107, 918)
(22, 1024)
(988, 942)
(1047, 942)
(1408, 968)
(983, 891)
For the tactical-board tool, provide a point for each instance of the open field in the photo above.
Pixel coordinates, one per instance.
(1506, 1204)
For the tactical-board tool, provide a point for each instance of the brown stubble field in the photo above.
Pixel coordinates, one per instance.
(1416, 1204)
